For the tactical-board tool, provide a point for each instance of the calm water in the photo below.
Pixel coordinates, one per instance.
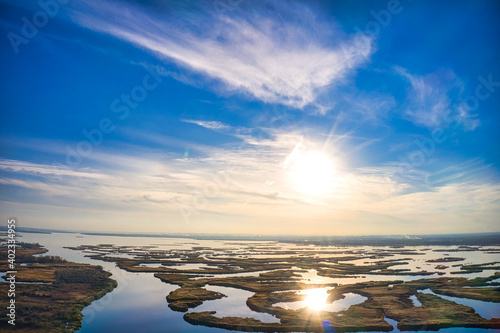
(237, 298)
(321, 293)
(139, 303)
(486, 310)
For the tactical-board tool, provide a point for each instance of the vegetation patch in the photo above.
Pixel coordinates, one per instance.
(57, 294)
(184, 298)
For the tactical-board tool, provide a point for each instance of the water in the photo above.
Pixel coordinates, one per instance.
(192, 267)
(415, 300)
(486, 310)
(179, 267)
(256, 273)
(316, 299)
(443, 330)
(237, 298)
(139, 303)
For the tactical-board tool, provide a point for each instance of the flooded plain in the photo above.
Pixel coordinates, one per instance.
(139, 302)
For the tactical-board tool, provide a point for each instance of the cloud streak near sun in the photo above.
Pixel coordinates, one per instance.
(267, 56)
(250, 183)
(271, 116)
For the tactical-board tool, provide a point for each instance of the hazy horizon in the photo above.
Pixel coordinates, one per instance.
(242, 117)
(300, 237)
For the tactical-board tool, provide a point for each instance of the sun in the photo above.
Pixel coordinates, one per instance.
(316, 299)
(312, 173)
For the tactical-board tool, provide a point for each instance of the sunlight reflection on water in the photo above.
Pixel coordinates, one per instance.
(140, 302)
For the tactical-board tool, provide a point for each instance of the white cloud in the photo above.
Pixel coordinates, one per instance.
(371, 107)
(246, 187)
(263, 55)
(214, 125)
(57, 170)
(435, 100)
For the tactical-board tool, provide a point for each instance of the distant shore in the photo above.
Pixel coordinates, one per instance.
(471, 239)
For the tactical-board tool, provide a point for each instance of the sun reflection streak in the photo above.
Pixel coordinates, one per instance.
(315, 299)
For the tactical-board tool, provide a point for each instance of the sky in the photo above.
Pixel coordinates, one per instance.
(251, 117)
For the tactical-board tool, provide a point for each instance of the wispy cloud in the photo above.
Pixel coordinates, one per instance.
(22, 167)
(435, 100)
(370, 107)
(213, 125)
(251, 183)
(268, 54)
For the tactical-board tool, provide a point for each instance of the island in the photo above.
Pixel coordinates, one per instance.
(50, 292)
(277, 273)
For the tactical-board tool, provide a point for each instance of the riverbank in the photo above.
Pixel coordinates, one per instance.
(50, 291)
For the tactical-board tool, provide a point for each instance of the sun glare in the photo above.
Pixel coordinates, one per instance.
(316, 299)
(312, 173)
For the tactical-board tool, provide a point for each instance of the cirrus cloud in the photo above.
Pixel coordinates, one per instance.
(268, 56)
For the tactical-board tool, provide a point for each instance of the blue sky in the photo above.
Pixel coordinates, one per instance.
(261, 117)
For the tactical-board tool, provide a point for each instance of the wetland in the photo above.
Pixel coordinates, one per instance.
(271, 286)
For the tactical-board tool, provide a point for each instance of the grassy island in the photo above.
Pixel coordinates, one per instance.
(277, 275)
(51, 292)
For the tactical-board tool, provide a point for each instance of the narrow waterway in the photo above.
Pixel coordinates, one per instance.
(139, 303)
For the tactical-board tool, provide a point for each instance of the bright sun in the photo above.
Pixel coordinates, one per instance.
(312, 173)
(316, 299)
